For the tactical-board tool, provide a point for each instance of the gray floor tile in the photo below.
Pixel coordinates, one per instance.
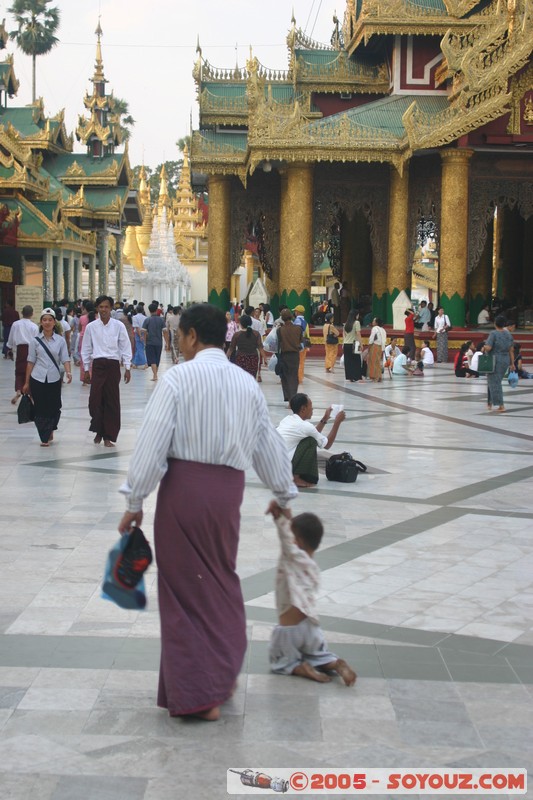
(87, 787)
(408, 576)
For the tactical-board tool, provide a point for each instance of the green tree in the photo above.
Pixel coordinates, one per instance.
(125, 120)
(37, 26)
(185, 140)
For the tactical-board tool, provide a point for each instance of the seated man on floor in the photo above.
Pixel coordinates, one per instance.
(305, 442)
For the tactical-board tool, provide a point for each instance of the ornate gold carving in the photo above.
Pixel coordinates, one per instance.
(75, 171)
(436, 130)
(343, 73)
(528, 111)
(458, 8)
(520, 85)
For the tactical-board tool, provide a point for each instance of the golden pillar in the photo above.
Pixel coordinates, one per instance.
(296, 238)
(219, 241)
(398, 267)
(453, 248)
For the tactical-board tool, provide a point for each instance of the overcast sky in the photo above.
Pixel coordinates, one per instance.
(149, 53)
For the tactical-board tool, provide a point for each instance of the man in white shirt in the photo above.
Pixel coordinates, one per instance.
(483, 318)
(21, 333)
(205, 424)
(107, 345)
(305, 441)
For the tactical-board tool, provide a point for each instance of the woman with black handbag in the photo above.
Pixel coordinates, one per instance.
(331, 343)
(43, 375)
(352, 348)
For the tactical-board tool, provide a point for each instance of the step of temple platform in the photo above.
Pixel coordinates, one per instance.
(456, 338)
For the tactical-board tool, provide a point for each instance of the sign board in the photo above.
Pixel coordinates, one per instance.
(318, 290)
(29, 296)
(258, 294)
(6, 274)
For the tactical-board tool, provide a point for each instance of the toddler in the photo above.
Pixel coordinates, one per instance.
(298, 646)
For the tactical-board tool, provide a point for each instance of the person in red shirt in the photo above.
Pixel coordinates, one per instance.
(409, 338)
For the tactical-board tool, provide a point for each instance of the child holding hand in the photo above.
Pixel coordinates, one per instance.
(298, 646)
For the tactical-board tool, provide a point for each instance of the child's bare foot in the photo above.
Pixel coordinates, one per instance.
(343, 669)
(305, 670)
(301, 483)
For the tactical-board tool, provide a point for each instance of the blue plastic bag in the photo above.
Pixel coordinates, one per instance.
(112, 590)
(513, 379)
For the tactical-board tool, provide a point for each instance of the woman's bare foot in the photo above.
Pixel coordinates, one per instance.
(51, 438)
(345, 671)
(97, 439)
(45, 444)
(501, 410)
(108, 443)
(305, 670)
(301, 484)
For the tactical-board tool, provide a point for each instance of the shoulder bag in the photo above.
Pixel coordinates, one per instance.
(50, 356)
(26, 410)
(332, 338)
(279, 367)
(485, 365)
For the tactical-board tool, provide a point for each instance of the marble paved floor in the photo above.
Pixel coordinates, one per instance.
(427, 590)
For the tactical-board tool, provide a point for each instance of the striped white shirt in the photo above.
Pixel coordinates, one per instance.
(209, 411)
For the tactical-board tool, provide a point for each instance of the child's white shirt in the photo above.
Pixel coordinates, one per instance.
(427, 356)
(298, 575)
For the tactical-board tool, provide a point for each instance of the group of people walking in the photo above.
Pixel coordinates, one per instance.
(99, 337)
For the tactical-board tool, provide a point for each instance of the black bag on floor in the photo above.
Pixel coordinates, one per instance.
(26, 410)
(343, 468)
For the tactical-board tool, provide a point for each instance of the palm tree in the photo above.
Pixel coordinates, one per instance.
(37, 25)
(122, 111)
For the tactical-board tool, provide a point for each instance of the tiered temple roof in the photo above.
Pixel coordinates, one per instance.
(398, 76)
(60, 198)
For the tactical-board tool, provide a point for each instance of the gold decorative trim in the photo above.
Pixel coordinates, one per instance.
(519, 85)
(435, 130)
(75, 171)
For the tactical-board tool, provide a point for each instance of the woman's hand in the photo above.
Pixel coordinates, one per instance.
(69, 377)
(26, 388)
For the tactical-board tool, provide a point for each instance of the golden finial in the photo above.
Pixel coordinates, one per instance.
(99, 65)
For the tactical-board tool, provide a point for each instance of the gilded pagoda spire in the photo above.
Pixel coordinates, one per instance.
(101, 130)
(144, 231)
(164, 199)
(188, 225)
(98, 76)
